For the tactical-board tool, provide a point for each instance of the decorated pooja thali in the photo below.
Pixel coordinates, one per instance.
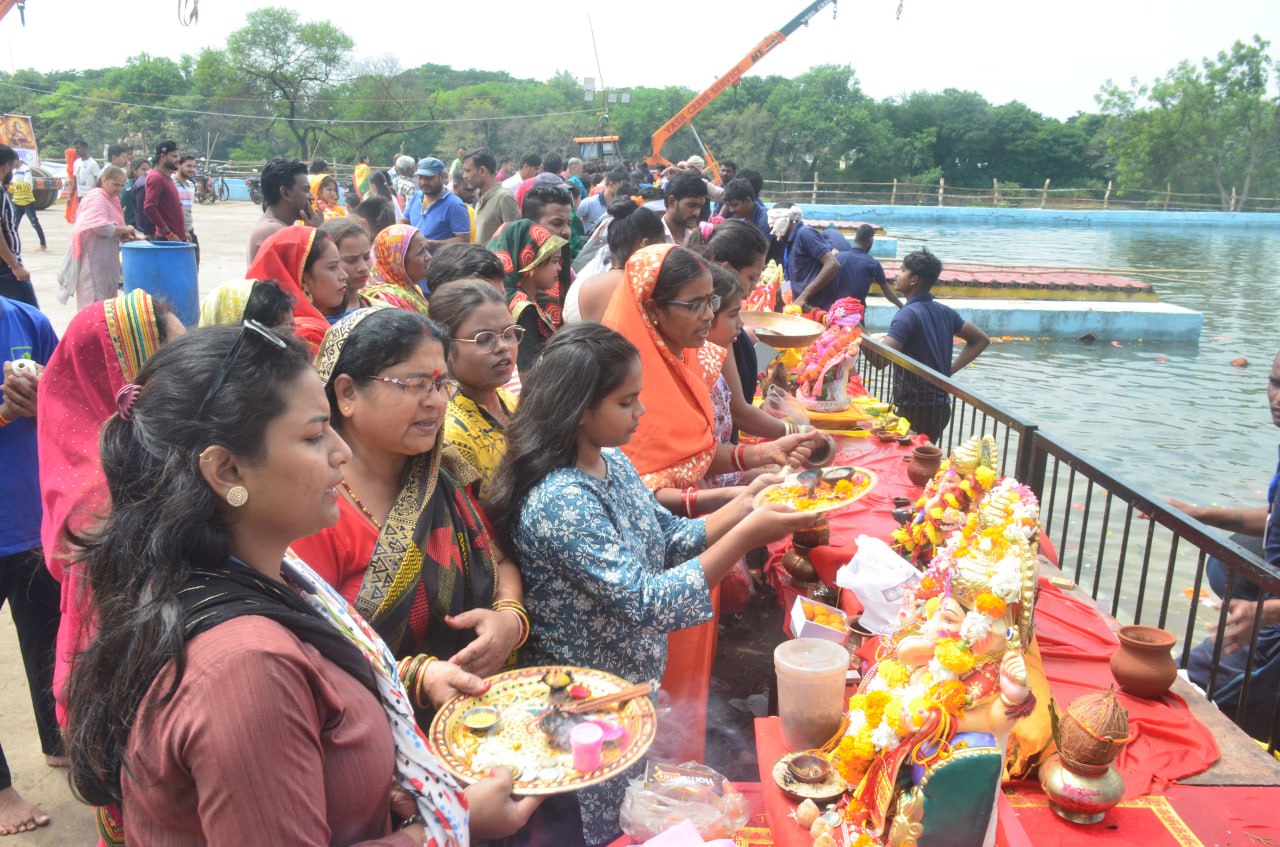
(531, 720)
(823, 490)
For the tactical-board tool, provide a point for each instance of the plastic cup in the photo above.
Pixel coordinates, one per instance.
(585, 740)
(811, 680)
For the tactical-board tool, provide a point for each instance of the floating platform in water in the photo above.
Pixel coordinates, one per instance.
(1065, 319)
(1028, 282)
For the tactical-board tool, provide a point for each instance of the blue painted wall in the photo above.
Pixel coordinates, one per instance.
(887, 215)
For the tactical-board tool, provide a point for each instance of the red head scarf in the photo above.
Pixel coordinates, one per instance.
(675, 443)
(282, 257)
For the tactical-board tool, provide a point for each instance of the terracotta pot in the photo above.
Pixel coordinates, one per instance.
(925, 462)
(1080, 797)
(817, 535)
(1143, 664)
(796, 563)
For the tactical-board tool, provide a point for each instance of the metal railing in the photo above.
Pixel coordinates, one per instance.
(1135, 576)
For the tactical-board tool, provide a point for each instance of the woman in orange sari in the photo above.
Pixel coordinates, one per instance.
(666, 308)
(400, 261)
(286, 257)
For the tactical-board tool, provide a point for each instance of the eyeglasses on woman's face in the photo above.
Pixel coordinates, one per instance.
(424, 386)
(703, 304)
(486, 341)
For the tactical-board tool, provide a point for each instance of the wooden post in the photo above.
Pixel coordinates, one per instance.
(813, 198)
(1233, 199)
(942, 188)
(1106, 198)
(1044, 193)
(995, 185)
(1168, 191)
(893, 198)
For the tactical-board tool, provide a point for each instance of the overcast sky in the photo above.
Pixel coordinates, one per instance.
(1051, 56)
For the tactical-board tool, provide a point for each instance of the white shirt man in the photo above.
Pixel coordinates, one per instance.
(87, 171)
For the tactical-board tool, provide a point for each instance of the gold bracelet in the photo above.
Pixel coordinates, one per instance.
(427, 661)
(521, 613)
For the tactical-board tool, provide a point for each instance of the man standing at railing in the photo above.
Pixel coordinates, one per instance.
(925, 330)
(1243, 612)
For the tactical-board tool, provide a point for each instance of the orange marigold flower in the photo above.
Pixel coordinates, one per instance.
(990, 605)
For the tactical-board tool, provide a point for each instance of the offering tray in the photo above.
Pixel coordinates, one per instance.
(861, 482)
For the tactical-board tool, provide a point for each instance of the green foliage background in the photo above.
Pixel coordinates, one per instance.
(284, 86)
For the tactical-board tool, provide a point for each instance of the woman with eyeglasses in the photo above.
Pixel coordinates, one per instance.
(411, 548)
(482, 357)
(666, 308)
(230, 696)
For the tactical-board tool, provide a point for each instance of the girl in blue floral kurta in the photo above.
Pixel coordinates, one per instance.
(608, 572)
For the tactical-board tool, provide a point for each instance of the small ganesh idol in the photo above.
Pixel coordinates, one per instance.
(927, 730)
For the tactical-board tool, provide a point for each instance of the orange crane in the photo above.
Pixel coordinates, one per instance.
(697, 104)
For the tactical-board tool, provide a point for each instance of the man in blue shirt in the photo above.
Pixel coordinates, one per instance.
(858, 269)
(595, 207)
(438, 213)
(925, 330)
(740, 201)
(32, 593)
(806, 256)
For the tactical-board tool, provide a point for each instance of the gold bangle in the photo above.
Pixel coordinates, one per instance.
(421, 671)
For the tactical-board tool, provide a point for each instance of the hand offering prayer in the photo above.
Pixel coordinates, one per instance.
(773, 521)
(494, 812)
(443, 680)
(497, 634)
(789, 450)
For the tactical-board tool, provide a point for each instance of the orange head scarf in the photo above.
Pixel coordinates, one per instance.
(672, 448)
(282, 257)
(390, 281)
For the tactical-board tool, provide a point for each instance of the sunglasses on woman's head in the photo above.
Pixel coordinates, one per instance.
(221, 378)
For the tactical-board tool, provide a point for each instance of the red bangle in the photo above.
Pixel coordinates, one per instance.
(688, 501)
(739, 456)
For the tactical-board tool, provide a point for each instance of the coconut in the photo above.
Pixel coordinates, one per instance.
(1093, 730)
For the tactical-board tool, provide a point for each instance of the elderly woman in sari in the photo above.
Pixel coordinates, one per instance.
(411, 549)
(91, 269)
(531, 257)
(400, 261)
(304, 261)
(666, 308)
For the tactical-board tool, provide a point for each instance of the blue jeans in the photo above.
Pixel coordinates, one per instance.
(15, 289)
(1217, 572)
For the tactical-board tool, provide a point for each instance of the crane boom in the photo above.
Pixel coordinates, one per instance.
(697, 104)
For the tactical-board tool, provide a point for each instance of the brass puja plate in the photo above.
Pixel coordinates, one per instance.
(516, 740)
(782, 331)
(863, 481)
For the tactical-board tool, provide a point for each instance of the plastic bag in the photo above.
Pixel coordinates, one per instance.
(737, 589)
(880, 578)
(668, 795)
(784, 407)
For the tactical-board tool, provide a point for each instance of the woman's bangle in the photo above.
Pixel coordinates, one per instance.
(689, 502)
(739, 457)
(521, 614)
(4, 421)
(788, 428)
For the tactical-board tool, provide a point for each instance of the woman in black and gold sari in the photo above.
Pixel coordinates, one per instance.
(412, 550)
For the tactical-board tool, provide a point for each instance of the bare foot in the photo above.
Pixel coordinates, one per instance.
(17, 815)
(58, 761)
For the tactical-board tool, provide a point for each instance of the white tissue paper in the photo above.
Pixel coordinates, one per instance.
(880, 579)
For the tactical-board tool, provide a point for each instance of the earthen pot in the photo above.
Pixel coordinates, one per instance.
(925, 462)
(1143, 664)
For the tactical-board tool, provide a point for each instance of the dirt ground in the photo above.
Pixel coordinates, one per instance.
(744, 667)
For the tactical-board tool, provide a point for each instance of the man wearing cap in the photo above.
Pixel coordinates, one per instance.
(163, 207)
(439, 214)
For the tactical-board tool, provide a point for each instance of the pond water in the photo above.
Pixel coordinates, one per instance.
(1177, 419)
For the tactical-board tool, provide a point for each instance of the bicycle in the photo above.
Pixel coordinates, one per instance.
(211, 185)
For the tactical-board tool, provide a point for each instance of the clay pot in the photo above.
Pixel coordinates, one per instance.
(796, 563)
(1143, 663)
(925, 462)
(817, 535)
(1080, 797)
(823, 454)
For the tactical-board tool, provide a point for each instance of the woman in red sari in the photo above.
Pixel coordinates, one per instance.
(665, 308)
(284, 257)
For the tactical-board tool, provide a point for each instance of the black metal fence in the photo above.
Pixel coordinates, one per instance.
(1141, 560)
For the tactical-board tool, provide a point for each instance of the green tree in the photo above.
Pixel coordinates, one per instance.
(290, 65)
(1207, 129)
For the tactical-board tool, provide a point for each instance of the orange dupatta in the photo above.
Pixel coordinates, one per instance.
(674, 448)
(282, 257)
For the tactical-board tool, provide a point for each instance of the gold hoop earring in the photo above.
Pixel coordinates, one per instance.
(237, 496)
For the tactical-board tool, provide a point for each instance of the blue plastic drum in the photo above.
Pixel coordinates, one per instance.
(167, 271)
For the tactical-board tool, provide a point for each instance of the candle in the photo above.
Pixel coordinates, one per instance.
(586, 740)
